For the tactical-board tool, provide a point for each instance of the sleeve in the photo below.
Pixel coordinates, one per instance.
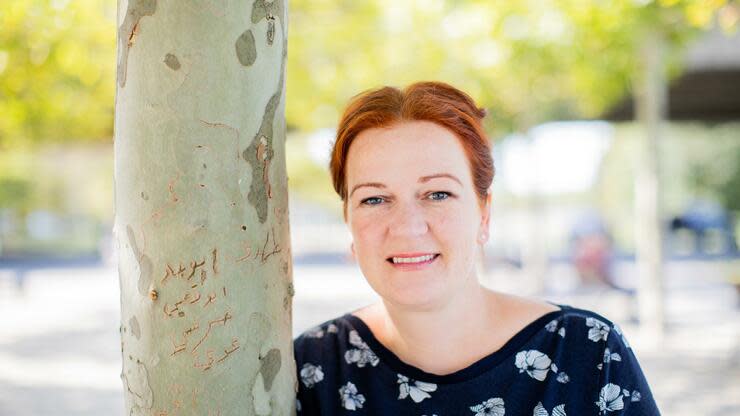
(303, 398)
(310, 375)
(622, 384)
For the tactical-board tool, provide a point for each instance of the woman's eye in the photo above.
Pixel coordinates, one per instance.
(371, 201)
(439, 196)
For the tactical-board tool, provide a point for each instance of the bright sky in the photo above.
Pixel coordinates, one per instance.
(562, 157)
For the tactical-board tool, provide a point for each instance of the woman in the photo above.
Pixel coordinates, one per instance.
(413, 169)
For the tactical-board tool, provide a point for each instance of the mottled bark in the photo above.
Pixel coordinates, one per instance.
(201, 200)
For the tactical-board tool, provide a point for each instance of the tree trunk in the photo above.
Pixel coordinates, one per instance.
(201, 222)
(651, 94)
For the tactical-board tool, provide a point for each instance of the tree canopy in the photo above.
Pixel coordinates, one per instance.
(527, 61)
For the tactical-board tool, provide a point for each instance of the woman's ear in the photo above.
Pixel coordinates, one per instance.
(485, 219)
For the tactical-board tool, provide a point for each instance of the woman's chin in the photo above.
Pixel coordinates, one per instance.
(416, 296)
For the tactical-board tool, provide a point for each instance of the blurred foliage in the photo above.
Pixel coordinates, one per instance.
(698, 162)
(57, 66)
(527, 60)
(307, 179)
(65, 179)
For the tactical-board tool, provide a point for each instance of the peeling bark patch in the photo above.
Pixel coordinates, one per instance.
(145, 263)
(260, 399)
(264, 9)
(259, 154)
(269, 367)
(136, 382)
(171, 61)
(246, 51)
(135, 329)
(128, 30)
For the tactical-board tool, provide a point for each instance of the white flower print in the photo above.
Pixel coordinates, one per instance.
(297, 405)
(598, 330)
(491, 407)
(535, 363)
(563, 378)
(608, 357)
(311, 374)
(351, 400)
(362, 355)
(611, 356)
(561, 332)
(552, 325)
(636, 396)
(318, 332)
(315, 332)
(618, 330)
(610, 399)
(418, 391)
(540, 410)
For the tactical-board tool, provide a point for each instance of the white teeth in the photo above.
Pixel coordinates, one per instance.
(419, 259)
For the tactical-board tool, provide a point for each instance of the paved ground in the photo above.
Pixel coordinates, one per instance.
(59, 345)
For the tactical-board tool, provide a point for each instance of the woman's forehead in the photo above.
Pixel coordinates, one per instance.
(422, 139)
(420, 166)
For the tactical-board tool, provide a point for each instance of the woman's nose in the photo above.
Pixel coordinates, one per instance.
(407, 220)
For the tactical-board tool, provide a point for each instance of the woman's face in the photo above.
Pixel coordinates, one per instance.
(414, 215)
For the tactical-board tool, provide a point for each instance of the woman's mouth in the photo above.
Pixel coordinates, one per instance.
(412, 262)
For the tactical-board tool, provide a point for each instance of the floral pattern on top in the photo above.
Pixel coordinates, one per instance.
(552, 326)
(491, 407)
(608, 357)
(417, 390)
(610, 399)
(377, 382)
(540, 410)
(598, 330)
(318, 332)
(350, 398)
(362, 354)
(563, 378)
(311, 374)
(535, 363)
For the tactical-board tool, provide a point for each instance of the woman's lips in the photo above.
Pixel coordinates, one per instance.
(413, 266)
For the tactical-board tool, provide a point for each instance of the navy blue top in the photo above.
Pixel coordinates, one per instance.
(567, 362)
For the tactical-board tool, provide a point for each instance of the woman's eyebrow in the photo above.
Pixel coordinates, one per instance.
(423, 179)
(369, 184)
(439, 175)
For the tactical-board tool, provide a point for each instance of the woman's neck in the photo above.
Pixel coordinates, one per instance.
(442, 339)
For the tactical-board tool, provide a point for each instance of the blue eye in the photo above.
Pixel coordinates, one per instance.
(439, 195)
(371, 201)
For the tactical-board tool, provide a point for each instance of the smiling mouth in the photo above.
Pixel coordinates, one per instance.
(413, 260)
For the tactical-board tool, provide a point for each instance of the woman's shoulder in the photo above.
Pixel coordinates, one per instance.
(327, 339)
(524, 312)
(598, 327)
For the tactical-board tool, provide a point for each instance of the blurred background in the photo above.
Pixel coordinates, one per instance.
(563, 84)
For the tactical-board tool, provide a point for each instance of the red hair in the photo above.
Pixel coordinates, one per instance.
(437, 102)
